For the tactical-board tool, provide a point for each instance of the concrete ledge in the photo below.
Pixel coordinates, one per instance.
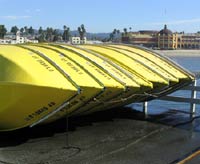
(117, 136)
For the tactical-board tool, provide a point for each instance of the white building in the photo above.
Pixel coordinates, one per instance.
(4, 41)
(19, 40)
(77, 40)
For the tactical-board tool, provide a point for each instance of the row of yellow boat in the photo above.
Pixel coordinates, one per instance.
(44, 82)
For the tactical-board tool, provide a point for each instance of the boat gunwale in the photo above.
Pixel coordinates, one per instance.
(58, 68)
(92, 76)
(89, 74)
(136, 73)
(142, 63)
(84, 57)
(28, 124)
(161, 56)
(117, 67)
(163, 69)
(93, 62)
(108, 61)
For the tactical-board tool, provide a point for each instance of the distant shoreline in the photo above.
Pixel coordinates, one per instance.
(183, 53)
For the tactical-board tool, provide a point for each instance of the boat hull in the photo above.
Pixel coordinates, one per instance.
(45, 82)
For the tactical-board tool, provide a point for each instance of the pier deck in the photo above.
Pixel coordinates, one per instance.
(119, 137)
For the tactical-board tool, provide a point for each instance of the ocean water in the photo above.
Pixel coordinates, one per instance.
(158, 106)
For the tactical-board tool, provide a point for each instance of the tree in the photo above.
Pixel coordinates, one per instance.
(125, 30)
(41, 38)
(40, 31)
(115, 34)
(111, 36)
(26, 30)
(49, 34)
(66, 33)
(22, 30)
(55, 38)
(3, 31)
(30, 30)
(14, 29)
(42, 35)
(130, 28)
(81, 31)
(114, 31)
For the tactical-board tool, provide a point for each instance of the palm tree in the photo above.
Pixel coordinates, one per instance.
(64, 27)
(111, 36)
(130, 28)
(125, 31)
(66, 33)
(114, 31)
(82, 31)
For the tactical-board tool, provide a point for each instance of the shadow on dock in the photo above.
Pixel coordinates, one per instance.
(17, 137)
(170, 118)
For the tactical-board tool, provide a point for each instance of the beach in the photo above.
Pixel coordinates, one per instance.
(184, 53)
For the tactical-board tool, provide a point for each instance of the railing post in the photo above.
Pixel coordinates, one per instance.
(193, 96)
(145, 109)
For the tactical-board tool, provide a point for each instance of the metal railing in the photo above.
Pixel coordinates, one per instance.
(193, 100)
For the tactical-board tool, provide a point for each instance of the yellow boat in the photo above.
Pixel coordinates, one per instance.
(42, 83)
(112, 86)
(169, 71)
(157, 59)
(184, 77)
(130, 65)
(31, 88)
(132, 87)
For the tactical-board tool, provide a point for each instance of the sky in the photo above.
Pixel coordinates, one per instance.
(102, 15)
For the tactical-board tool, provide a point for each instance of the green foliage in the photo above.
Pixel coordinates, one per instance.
(82, 31)
(115, 35)
(14, 29)
(41, 38)
(40, 31)
(25, 29)
(125, 31)
(3, 31)
(66, 33)
(30, 30)
(49, 34)
(111, 36)
(55, 38)
(22, 30)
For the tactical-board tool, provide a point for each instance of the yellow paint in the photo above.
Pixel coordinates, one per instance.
(152, 57)
(130, 65)
(29, 90)
(190, 157)
(35, 80)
